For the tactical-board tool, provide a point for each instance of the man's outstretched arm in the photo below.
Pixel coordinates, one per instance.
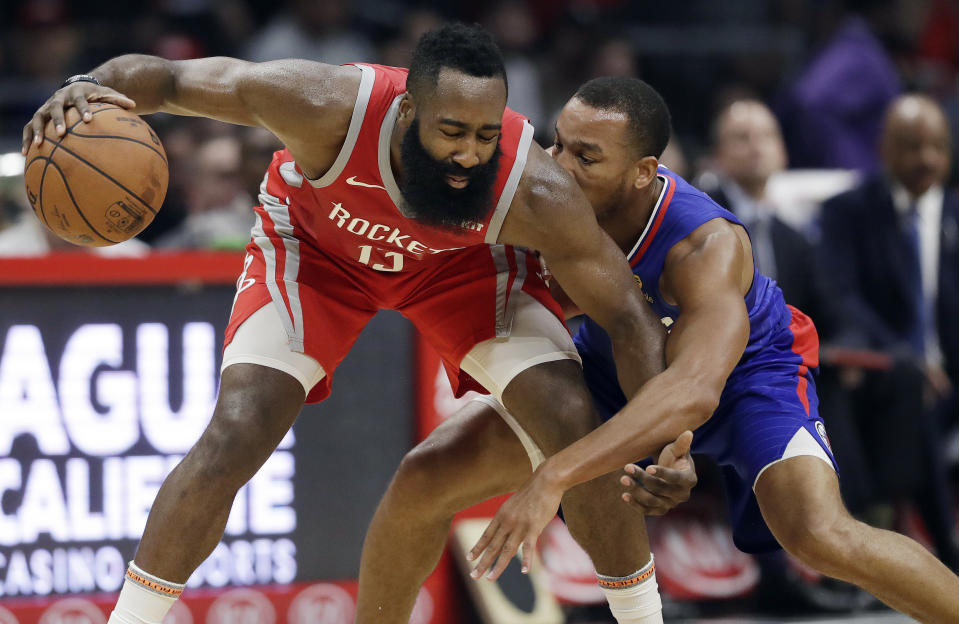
(552, 215)
(704, 346)
(306, 104)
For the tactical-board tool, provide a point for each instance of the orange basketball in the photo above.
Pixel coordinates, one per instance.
(102, 182)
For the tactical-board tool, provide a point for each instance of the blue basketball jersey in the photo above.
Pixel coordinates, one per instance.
(770, 394)
(681, 209)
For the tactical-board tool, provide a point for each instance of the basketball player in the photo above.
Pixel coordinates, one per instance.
(385, 197)
(739, 363)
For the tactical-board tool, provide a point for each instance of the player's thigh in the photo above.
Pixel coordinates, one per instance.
(799, 498)
(262, 340)
(262, 387)
(536, 336)
(293, 326)
(781, 445)
(471, 456)
(551, 403)
(256, 406)
(537, 375)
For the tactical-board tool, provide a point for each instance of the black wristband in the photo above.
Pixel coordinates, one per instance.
(80, 78)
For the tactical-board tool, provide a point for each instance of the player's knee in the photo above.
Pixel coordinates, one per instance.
(820, 540)
(427, 476)
(221, 458)
(231, 449)
(570, 417)
(551, 402)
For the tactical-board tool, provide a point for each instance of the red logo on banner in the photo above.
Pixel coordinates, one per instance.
(73, 611)
(696, 558)
(241, 606)
(323, 603)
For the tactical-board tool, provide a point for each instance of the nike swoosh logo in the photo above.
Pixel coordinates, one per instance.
(352, 181)
(245, 284)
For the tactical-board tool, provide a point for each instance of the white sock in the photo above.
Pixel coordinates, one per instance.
(144, 598)
(634, 599)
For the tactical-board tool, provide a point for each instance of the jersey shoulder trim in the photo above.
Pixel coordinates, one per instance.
(512, 183)
(356, 123)
(383, 155)
(655, 221)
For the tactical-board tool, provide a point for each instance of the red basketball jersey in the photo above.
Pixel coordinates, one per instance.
(331, 252)
(354, 211)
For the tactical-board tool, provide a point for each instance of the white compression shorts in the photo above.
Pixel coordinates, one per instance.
(533, 451)
(536, 337)
(261, 339)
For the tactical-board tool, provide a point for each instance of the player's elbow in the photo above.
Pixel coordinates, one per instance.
(699, 401)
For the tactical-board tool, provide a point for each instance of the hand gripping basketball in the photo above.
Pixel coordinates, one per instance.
(100, 179)
(76, 95)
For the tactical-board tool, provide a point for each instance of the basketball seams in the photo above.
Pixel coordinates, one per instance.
(49, 159)
(132, 173)
(70, 130)
(122, 138)
(76, 206)
(103, 173)
(43, 176)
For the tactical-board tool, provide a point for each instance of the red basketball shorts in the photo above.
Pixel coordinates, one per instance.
(456, 299)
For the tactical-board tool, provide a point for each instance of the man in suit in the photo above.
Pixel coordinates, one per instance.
(748, 150)
(891, 246)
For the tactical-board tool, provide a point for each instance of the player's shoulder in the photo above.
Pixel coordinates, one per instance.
(513, 119)
(307, 104)
(297, 86)
(714, 249)
(546, 197)
(396, 75)
(716, 231)
(710, 227)
(545, 187)
(684, 207)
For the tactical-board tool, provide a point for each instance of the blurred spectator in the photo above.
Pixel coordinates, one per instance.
(674, 158)
(180, 138)
(215, 27)
(892, 247)
(307, 29)
(219, 210)
(45, 47)
(514, 28)
(833, 113)
(614, 57)
(45, 26)
(13, 201)
(938, 45)
(397, 51)
(748, 150)
(256, 153)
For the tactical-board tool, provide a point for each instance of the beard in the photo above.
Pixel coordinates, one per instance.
(430, 199)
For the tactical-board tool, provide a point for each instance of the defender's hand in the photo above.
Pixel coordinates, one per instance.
(662, 486)
(517, 523)
(76, 95)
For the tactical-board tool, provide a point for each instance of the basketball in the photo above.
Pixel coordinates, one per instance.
(102, 182)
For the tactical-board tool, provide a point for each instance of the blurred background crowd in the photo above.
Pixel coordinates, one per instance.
(825, 125)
